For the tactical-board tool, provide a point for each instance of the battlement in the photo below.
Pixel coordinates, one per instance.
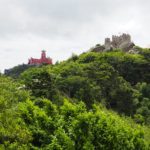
(122, 41)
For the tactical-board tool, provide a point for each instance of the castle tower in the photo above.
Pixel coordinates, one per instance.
(116, 40)
(43, 55)
(107, 44)
(126, 38)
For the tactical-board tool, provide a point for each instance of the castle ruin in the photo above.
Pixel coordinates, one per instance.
(119, 42)
(122, 42)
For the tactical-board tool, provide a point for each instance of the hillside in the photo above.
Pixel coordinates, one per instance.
(37, 123)
(118, 80)
(72, 104)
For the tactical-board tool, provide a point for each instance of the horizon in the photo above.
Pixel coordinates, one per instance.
(66, 27)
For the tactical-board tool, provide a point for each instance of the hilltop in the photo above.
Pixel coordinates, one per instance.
(122, 43)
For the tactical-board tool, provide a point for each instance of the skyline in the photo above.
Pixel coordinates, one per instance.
(63, 27)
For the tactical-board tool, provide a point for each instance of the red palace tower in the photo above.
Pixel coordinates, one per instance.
(42, 60)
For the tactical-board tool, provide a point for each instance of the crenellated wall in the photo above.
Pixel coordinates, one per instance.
(121, 42)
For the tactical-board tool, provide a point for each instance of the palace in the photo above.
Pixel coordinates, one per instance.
(42, 60)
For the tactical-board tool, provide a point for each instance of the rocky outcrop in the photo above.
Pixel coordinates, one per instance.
(98, 48)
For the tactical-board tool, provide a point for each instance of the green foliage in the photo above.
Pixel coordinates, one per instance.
(17, 70)
(13, 131)
(41, 82)
(143, 108)
(72, 126)
(42, 119)
(87, 57)
(108, 77)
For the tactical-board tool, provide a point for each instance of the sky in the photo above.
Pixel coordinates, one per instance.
(63, 27)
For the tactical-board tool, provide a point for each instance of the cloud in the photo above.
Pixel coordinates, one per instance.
(65, 26)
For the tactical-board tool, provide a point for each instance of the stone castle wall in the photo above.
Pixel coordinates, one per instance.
(122, 42)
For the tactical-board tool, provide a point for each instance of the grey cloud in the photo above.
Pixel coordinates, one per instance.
(56, 17)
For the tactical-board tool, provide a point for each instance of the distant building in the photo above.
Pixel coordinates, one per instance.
(122, 42)
(42, 60)
(119, 42)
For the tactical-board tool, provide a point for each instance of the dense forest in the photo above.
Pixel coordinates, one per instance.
(94, 101)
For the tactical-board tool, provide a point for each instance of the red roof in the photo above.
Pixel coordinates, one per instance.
(42, 60)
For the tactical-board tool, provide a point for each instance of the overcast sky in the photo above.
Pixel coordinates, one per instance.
(63, 27)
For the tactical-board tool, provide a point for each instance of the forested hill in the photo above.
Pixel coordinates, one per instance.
(119, 80)
(72, 104)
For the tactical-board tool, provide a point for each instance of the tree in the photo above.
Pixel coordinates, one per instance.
(14, 134)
